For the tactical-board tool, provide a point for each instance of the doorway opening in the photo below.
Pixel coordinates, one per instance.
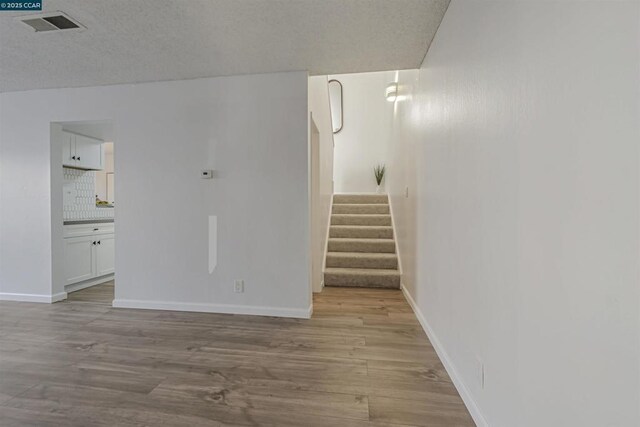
(83, 211)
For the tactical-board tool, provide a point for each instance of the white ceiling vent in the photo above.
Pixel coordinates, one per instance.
(54, 21)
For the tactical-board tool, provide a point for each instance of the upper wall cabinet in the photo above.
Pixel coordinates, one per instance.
(82, 152)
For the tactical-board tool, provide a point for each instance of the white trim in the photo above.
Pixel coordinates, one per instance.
(310, 131)
(300, 313)
(326, 241)
(468, 400)
(58, 297)
(4, 296)
(47, 299)
(395, 235)
(87, 284)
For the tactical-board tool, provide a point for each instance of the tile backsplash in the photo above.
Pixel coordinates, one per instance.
(79, 196)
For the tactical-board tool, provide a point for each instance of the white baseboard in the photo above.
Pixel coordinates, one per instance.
(468, 400)
(58, 297)
(87, 284)
(216, 308)
(41, 298)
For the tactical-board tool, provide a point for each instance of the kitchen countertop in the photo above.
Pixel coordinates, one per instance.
(88, 221)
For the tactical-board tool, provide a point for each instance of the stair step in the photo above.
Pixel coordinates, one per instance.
(361, 245)
(362, 260)
(360, 219)
(361, 231)
(362, 277)
(359, 198)
(360, 208)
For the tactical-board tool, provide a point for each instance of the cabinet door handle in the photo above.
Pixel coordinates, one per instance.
(73, 157)
(95, 229)
(94, 242)
(78, 157)
(98, 241)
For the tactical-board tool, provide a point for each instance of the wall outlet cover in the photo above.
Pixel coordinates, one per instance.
(238, 286)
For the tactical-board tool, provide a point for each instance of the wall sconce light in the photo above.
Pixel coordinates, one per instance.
(391, 93)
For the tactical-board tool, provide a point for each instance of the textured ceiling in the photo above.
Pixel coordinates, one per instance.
(130, 41)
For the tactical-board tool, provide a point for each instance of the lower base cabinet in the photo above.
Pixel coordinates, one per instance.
(86, 257)
(105, 254)
(79, 259)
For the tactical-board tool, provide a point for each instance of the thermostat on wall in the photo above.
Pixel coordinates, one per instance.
(206, 174)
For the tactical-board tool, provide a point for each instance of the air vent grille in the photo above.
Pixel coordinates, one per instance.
(40, 24)
(54, 21)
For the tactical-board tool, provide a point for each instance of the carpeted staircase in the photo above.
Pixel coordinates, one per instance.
(361, 250)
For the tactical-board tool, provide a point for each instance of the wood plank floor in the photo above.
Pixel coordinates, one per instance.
(101, 294)
(362, 360)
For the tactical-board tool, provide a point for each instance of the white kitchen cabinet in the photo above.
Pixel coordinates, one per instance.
(68, 149)
(105, 254)
(89, 153)
(88, 229)
(89, 252)
(82, 152)
(79, 259)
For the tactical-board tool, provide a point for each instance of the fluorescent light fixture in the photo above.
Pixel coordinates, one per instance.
(391, 93)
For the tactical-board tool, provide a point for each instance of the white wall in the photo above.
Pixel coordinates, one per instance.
(321, 112)
(252, 130)
(101, 176)
(364, 139)
(520, 236)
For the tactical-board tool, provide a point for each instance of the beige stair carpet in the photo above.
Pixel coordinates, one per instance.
(361, 249)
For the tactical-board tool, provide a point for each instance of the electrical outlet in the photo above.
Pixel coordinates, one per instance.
(238, 287)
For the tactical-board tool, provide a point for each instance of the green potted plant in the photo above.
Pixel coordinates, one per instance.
(378, 172)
